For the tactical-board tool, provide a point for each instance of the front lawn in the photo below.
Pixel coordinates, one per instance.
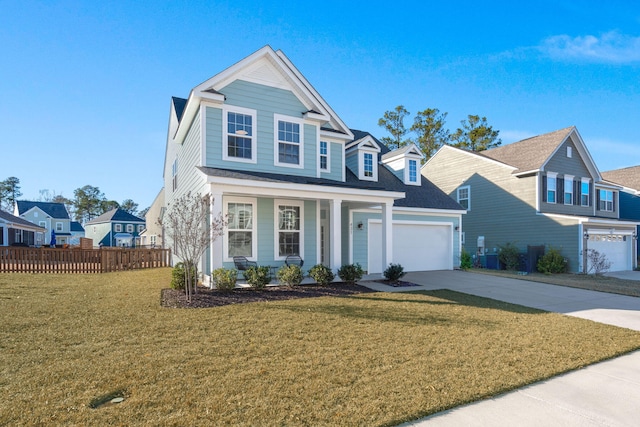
(367, 359)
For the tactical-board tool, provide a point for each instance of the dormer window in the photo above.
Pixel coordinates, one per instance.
(413, 171)
(368, 165)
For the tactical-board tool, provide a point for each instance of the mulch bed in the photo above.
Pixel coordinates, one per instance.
(398, 284)
(172, 298)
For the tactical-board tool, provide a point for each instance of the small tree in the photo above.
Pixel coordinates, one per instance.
(508, 256)
(475, 135)
(597, 262)
(393, 122)
(431, 133)
(189, 226)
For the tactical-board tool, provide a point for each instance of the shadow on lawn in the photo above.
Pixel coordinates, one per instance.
(394, 312)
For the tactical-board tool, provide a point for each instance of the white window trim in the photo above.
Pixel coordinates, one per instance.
(226, 109)
(407, 172)
(468, 188)
(140, 228)
(361, 174)
(588, 182)
(276, 157)
(569, 151)
(553, 175)
(117, 228)
(328, 155)
(130, 228)
(43, 224)
(59, 227)
(568, 179)
(254, 230)
(276, 240)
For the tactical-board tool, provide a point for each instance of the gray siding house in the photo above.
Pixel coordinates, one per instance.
(16, 231)
(293, 179)
(542, 191)
(49, 215)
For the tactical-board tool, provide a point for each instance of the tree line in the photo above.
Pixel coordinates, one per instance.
(430, 132)
(88, 202)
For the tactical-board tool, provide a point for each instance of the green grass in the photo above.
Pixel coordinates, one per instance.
(69, 342)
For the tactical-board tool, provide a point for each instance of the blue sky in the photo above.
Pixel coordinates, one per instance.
(85, 86)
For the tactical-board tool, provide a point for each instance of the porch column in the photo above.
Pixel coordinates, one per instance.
(387, 235)
(216, 245)
(335, 234)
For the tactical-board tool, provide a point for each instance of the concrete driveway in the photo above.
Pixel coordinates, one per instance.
(604, 394)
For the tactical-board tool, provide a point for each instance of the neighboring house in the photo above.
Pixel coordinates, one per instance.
(52, 216)
(114, 228)
(292, 179)
(153, 234)
(629, 180)
(544, 190)
(77, 231)
(16, 231)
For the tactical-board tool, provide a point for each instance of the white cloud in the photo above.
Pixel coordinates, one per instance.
(610, 47)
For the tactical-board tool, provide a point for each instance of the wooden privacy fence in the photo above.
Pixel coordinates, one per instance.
(77, 260)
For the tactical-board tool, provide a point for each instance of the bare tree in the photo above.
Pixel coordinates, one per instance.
(189, 225)
(597, 262)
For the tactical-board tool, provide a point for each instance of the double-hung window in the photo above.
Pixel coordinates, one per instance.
(464, 197)
(117, 228)
(240, 229)
(606, 200)
(288, 142)
(59, 227)
(129, 228)
(551, 187)
(239, 135)
(584, 192)
(568, 189)
(289, 226)
(324, 156)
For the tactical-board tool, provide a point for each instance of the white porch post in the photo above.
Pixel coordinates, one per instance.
(387, 235)
(216, 245)
(335, 227)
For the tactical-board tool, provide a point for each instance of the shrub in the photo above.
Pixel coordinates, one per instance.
(290, 275)
(351, 273)
(466, 262)
(178, 279)
(322, 274)
(508, 256)
(394, 272)
(258, 277)
(552, 262)
(225, 280)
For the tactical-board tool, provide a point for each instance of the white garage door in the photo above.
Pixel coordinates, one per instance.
(417, 247)
(617, 249)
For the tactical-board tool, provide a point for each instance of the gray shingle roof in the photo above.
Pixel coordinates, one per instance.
(115, 215)
(17, 220)
(627, 177)
(54, 210)
(531, 153)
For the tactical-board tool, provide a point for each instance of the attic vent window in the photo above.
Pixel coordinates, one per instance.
(569, 152)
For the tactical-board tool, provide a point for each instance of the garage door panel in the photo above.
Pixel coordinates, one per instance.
(417, 247)
(617, 252)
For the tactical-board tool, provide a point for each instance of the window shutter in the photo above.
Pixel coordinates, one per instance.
(597, 200)
(544, 188)
(577, 192)
(590, 193)
(615, 196)
(560, 188)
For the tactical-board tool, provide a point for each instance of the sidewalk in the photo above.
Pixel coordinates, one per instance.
(604, 394)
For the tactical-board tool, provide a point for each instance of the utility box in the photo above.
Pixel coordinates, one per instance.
(480, 245)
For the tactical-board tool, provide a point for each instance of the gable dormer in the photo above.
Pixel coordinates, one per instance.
(405, 163)
(361, 157)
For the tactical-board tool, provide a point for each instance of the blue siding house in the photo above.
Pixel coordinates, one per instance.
(293, 178)
(629, 180)
(114, 228)
(49, 215)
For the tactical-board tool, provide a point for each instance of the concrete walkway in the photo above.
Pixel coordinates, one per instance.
(604, 394)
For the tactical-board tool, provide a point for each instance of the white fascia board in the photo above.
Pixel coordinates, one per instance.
(443, 212)
(338, 137)
(608, 185)
(318, 117)
(591, 220)
(585, 155)
(525, 173)
(190, 110)
(270, 189)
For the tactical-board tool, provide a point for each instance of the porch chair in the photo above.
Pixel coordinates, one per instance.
(242, 263)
